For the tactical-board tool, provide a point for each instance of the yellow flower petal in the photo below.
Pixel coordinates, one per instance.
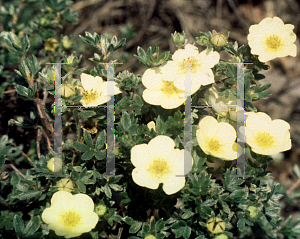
(152, 79)
(90, 82)
(141, 177)
(172, 184)
(140, 156)
(161, 146)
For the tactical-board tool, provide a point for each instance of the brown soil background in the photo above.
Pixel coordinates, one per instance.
(153, 22)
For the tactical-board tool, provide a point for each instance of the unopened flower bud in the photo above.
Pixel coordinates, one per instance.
(218, 39)
(100, 210)
(54, 165)
(150, 237)
(51, 44)
(253, 211)
(65, 184)
(179, 39)
(222, 236)
(66, 42)
(215, 225)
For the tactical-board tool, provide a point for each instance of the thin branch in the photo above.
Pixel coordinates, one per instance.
(9, 91)
(294, 186)
(25, 155)
(43, 115)
(38, 140)
(16, 170)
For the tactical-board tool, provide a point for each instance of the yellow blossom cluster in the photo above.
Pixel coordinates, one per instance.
(167, 85)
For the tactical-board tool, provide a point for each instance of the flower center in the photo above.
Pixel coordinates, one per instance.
(214, 145)
(264, 139)
(169, 88)
(273, 42)
(90, 96)
(194, 64)
(71, 219)
(159, 168)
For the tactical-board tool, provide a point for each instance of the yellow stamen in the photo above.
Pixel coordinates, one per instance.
(264, 139)
(273, 42)
(214, 145)
(193, 61)
(169, 88)
(159, 168)
(90, 96)
(71, 219)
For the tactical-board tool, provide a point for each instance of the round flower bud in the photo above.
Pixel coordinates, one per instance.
(67, 89)
(100, 210)
(67, 43)
(51, 44)
(54, 165)
(150, 237)
(222, 236)
(218, 39)
(65, 184)
(253, 211)
(179, 39)
(215, 225)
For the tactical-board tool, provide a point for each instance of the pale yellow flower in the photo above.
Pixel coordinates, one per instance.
(54, 164)
(222, 236)
(51, 44)
(65, 184)
(215, 225)
(95, 90)
(67, 89)
(201, 64)
(272, 38)
(253, 211)
(150, 237)
(158, 162)
(217, 139)
(220, 104)
(70, 215)
(161, 91)
(266, 136)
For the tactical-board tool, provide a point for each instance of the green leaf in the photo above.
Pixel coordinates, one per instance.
(22, 90)
(86, 113)
(88, 139)
(248, 97)
(179, 232)
(135, 227)
(27, 195)
(101, 140)
(187, 215)
(88, 154)
(18, 225)
(81, 187)
(116, 187)
(32, 226)
(100, 155)
(129, 220)
(116, 218)
(125, 121)
(209, 202)
(187, 232)
(2, 160)
(237, 194)
(107, 191)
(241, 224)
(80, 147)
(160, 125)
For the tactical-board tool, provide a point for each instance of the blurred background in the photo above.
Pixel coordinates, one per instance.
(148, 23)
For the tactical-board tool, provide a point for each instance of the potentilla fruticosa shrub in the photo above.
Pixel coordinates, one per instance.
(163, 185)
